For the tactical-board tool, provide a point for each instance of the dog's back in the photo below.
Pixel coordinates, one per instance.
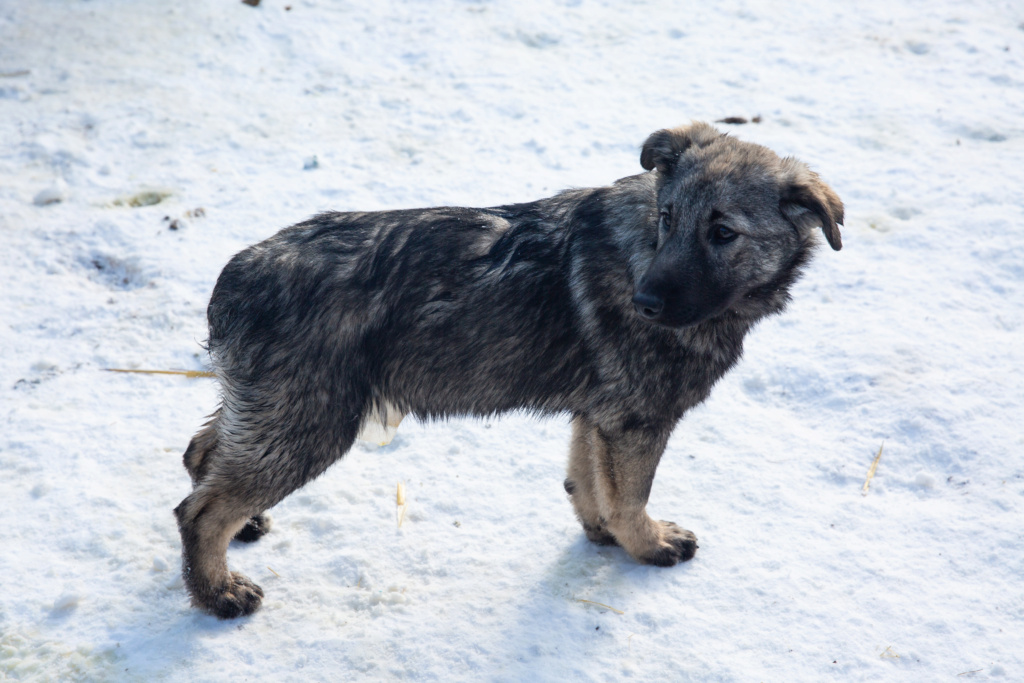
(447, 311)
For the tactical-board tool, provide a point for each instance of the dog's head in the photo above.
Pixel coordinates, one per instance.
(736, 224)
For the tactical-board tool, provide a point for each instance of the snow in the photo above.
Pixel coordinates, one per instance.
(120, 119)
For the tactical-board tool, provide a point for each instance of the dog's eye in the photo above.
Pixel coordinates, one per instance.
(666, 213)
(665, 219)
(722, 235)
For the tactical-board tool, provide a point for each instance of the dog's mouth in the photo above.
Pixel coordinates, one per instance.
(676, 321)
(658, 311)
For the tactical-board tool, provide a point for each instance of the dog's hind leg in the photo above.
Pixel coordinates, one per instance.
(255, 528)
(199, 448)
(248, 472)
(623, 461)
(207, 519)
(196, 460)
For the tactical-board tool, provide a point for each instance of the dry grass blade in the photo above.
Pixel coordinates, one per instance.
(400, 502)
(871, 472)
(191, 374)
(600, 604)
(273, 572)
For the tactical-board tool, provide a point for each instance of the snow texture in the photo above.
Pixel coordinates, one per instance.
(142, 143)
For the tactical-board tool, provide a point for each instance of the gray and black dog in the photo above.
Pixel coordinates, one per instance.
(621, 306)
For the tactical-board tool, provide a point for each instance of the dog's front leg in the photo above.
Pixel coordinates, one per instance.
(621, 465)
(581, 485)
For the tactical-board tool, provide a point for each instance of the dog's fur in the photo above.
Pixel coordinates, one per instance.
(619, 305)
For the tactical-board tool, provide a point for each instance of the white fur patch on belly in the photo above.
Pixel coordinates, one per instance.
(380, 423)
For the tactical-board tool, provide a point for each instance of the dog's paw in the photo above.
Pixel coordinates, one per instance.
(676, 545)
(240, 598)
(599, 535)
(255, 529)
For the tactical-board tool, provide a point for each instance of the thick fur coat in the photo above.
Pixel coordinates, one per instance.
(620, 306)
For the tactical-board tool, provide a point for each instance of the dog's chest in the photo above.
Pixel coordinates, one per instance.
(682, 374)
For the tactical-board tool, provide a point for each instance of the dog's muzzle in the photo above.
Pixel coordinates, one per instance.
(648, 306)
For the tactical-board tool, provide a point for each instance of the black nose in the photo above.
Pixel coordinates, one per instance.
(648, 305)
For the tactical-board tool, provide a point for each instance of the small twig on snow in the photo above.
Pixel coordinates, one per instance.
(871, 472)
(600, 604)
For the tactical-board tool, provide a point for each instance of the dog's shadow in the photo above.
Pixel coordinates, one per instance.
(584, 600)
(579, 612)
(163, 640)
(149, 651)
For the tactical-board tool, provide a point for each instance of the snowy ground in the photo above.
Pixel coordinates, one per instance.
(912, 335)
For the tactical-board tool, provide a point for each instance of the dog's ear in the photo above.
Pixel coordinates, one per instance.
(664, 147)
(809, 203)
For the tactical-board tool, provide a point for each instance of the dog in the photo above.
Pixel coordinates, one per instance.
(621, 306)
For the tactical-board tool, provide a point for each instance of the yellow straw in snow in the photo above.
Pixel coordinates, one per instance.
(191, 374)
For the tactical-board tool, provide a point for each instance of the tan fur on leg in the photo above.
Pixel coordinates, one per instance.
(623, 465)
(208, 520)
(580, 482)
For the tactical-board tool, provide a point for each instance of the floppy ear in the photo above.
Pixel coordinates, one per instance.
(809, 203)
(664, 147)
